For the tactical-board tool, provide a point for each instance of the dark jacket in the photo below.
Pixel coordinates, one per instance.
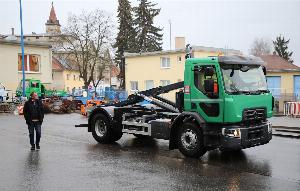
(33, 109)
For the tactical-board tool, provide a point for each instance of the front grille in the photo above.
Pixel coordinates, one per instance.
(257, 114)
(255, 133)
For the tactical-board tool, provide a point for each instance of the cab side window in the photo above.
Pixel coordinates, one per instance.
(200, 77)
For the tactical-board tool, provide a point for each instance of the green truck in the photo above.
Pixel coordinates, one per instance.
(223, 103)
(36, 86)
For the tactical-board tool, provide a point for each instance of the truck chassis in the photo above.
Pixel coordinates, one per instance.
(163, 119)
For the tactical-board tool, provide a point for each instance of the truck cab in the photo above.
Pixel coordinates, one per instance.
(230, 94)
(30, 86)
(223, 103)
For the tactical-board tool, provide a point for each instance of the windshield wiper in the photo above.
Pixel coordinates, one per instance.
(264, 91)
(240, 92)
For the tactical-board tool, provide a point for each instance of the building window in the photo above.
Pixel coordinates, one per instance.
(50, 37)
(134, 86)
(165, 62)
(149, 84)
(164, 82)
(31, 63)
(68, 76)
(179, 58)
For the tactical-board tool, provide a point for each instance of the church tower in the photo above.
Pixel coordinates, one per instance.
(52, 24)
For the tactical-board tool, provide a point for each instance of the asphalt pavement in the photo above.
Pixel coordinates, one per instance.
(70, 159)
(286, 126)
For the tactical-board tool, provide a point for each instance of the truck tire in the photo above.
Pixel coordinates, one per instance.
(139, 136)
(190, 140)
(116, 136)
(101, 129)
(227, 150)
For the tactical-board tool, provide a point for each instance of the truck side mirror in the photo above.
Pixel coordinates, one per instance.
(264, 70)
(209, 86)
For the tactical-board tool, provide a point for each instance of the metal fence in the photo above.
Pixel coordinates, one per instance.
(281, 99)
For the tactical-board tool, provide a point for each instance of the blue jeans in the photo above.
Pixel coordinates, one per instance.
(37, 126)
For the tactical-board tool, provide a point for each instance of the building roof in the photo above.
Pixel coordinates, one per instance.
(60, 64)
(275, 63)
(39, 35)
(194, 48)
(56, 65)
(52, 17)
(26, 43)
(115, 71)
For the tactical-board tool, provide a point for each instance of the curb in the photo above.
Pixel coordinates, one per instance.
(285, 127)
(286, 135)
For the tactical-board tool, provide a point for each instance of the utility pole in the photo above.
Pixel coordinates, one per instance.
(170, 34)
(22, 47)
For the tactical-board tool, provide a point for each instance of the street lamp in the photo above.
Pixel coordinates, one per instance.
(22, 47)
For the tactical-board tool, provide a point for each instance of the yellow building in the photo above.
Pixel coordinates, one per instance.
(65, 77)
(38, 63)
(147, 70)
(283, 80)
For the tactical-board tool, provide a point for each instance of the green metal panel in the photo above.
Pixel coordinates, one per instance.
(235, 104)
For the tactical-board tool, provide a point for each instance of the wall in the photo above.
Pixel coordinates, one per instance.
(287, 87)
(70, 83)
(287, 80)
(9, 74)
(58, 80)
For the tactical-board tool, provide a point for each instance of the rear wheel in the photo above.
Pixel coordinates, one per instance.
(190, 140)
(101, 129)
(139, 136)
(117, 136)
(227, 150)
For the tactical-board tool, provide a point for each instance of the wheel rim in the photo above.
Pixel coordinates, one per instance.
(100, 128)
(189, 139)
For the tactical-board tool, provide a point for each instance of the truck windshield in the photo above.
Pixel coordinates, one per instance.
(243, 79)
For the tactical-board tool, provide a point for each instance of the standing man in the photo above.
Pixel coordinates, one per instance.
(34, 115)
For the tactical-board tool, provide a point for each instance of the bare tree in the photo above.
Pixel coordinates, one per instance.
(86, 37)
(105, 63)
(260, 46)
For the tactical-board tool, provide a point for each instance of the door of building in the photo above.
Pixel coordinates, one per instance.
(274, 85)
(297, 87)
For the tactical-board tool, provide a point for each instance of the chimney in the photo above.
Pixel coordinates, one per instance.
(179, 43)
(13, 31)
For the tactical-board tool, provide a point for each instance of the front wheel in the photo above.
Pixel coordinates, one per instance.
(190, 140)
(101, 129)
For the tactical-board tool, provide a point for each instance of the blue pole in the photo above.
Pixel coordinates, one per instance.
(22, 47)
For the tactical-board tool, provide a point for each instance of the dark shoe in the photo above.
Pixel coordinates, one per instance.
(32, 147)
(38, 147)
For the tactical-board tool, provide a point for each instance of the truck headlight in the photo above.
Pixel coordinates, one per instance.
(269, 127)
(232, 132)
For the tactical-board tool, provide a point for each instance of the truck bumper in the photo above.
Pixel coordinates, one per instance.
(246, 136)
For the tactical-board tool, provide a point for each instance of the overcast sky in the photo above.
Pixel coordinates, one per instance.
(231, 24)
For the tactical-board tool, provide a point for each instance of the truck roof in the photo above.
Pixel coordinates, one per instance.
(235, 59)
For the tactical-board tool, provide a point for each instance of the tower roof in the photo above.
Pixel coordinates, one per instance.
(52, 17)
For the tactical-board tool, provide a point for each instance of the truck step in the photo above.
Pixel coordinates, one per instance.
(136, 132)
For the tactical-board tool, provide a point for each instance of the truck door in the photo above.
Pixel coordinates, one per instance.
(205, 93)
